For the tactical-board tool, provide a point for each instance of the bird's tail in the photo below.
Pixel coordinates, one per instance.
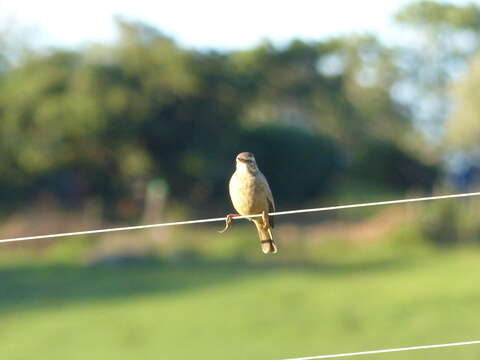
(266, 239)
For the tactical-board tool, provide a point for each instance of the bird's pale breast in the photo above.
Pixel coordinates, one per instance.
(248, 193)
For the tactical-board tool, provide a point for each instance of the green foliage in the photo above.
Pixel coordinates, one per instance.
(386, 164)
(103, 120)
(463, 127)
(284, 152)
(301, 85)
(448, 223)
(446, 38)
(432, 13)
(152, 62)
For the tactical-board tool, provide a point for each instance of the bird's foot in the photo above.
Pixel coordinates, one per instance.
(228, 221)
(266, 222)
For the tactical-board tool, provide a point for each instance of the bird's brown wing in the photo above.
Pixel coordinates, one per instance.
(271, 208)
(271, 202)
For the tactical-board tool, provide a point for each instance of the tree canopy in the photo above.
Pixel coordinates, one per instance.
(102, 119)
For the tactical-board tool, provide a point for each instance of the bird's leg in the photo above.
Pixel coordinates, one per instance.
(266, 222)
(228, 221)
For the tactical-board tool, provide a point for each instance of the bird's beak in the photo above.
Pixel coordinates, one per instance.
(242, 160)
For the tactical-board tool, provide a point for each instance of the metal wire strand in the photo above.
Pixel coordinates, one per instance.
(299, 211)
(422, 347)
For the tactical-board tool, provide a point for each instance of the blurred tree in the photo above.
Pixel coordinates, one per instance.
(14, 44)
(367, 74)
(440, 16)
(444, 38)
(340, 87)
(82, 112)
(385, 164)
(463, 126)
(192, 138)
(105, 119)
(299, 165)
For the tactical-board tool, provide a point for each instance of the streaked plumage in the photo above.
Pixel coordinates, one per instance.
(250, 195)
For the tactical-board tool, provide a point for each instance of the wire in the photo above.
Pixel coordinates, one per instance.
(387, 350)
(329, 208)
(390, 202)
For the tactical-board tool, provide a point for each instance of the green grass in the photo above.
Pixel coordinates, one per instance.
(239, 309)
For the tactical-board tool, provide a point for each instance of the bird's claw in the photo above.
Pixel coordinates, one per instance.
(227, 224)
(228, 221)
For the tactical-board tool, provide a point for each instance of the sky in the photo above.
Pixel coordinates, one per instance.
(201, 24)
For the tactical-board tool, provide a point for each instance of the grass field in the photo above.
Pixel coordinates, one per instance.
(239, 309)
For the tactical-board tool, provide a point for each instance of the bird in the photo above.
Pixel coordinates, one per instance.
(251, 195)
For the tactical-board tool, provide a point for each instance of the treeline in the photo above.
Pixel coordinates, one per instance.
(105, 120)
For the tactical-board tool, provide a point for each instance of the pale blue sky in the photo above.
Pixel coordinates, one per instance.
(207, 23)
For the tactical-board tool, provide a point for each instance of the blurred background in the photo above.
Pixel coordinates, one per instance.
(114, 115)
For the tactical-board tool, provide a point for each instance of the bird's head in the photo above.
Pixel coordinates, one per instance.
(246, 161)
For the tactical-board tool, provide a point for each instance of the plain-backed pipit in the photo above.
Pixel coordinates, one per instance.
(251, 195)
